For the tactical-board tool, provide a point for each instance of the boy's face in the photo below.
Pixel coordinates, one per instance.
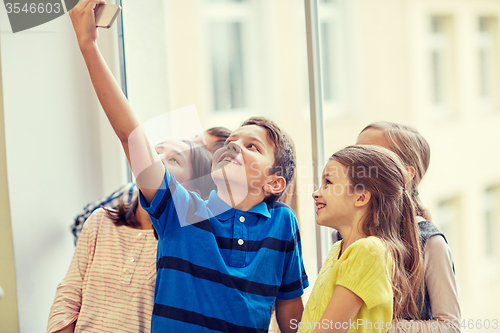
(245, 160)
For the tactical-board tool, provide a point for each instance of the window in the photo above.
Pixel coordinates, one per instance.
(448, 221)
(330, 40)
(491, 221)
(228, 73)
(438, 61)
(441, 67)
(229, 51)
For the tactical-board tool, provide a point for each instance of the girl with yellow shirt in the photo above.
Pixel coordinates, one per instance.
(375, 272)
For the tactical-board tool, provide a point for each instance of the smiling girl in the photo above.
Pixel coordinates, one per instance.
(375, 271)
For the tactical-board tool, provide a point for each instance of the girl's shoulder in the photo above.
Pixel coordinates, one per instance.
(98, 220)
(370, 247)
(371, 242)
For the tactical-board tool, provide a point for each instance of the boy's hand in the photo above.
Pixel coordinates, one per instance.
(83, 19)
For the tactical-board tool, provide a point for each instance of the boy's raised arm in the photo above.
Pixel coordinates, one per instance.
(143, 159)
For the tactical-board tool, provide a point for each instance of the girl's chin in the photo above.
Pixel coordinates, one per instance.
(324, 223)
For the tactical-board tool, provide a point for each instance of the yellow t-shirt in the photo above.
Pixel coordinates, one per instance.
(364, 269)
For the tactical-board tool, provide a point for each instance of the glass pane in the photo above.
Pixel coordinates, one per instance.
(412, 66)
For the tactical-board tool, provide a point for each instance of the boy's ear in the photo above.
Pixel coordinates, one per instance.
(363, 199)
(276, 185)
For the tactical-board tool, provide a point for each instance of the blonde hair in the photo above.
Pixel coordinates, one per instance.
(391, 216)
(413, 150)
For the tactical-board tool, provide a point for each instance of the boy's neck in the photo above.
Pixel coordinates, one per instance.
(241, 202)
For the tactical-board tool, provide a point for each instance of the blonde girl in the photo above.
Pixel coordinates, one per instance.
(376, 270)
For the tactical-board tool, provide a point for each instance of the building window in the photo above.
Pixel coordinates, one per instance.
(228, 46)
(330, 35)
(328, 72)
(486, 60)
(438, 55)
(491, 220)
(448, 221)
(226, 55)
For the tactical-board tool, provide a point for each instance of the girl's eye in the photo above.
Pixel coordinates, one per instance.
(174, 160)
(252, 146)
(327, 182)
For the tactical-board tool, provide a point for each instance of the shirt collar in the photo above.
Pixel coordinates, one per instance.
(224, 211)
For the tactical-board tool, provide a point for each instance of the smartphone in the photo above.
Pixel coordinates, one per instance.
(105, 15)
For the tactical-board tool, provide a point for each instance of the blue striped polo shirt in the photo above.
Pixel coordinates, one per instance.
(223, 273)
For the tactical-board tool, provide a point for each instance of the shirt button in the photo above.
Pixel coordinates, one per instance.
(242, 219)
(240, 241)
(132, 259)
(140, 234)
(127, 272)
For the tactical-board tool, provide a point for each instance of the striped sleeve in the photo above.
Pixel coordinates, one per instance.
(68, 299)
(294, 276)
(168, 207)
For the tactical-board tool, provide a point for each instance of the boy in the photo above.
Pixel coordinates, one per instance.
(224, 262)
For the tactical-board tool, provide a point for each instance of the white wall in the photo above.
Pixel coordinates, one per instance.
(58, 145)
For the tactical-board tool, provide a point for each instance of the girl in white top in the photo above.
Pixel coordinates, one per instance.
(441, 290)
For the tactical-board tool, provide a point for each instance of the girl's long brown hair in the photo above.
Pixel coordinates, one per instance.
(413, 150)
(391, 216)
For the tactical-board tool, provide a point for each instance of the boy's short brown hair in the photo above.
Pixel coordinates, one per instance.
(284, 157)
